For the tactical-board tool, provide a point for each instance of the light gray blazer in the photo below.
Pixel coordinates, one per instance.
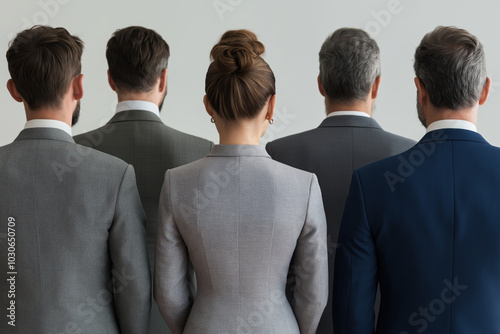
(244, 220)
(78, 223)
(332, 151)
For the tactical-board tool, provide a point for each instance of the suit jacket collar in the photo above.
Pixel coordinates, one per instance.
(135, 115)
(44, 134)
(452, 134)
(238, 151)
(350, 121)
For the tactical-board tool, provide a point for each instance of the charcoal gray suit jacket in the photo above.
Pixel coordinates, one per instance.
(72, 231)
(141, 139)
(332, 151)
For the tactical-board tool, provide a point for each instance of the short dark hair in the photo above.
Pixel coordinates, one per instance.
(349, 63)
(136, 57)
(42, 62)
(451, 65)
(239, 82)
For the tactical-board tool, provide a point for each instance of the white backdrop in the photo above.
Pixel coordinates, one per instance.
(292, 31)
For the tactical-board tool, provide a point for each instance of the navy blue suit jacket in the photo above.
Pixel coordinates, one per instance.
(426, 225)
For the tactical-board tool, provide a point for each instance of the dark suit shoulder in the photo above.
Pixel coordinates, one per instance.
(113, 131)
(397, 140)
(188, 138)
(304, 140)
(101, 157)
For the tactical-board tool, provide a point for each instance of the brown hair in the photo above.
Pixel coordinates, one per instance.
(450, 63)
(42, 62)
(238, 82)
(136, 57)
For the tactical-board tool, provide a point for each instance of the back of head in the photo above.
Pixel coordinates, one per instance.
(136, 58)
(349, 63)
(451, 65)
(239, 82)
(42, 63)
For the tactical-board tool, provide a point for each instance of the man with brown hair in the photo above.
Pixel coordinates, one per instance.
(137, 60)
(76, 258)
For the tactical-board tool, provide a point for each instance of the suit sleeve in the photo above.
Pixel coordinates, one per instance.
(355, 281)
(127, 245)
(310, 265)
(171, 288)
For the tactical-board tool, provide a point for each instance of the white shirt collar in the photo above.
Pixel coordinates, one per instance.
(451, 124)
(48, 123)
(348, 113)
(138, 105)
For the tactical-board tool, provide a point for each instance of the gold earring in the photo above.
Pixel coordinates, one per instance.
(212, 119)
(271, 121)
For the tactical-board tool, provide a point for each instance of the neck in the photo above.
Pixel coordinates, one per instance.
(48, 113)
(469, 115)
(363, 106)
(148, 97)
(238, 133)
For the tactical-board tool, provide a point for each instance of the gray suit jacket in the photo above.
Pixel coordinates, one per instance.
(73, 222)
(244, 220)
(141, 139)
(332, 151)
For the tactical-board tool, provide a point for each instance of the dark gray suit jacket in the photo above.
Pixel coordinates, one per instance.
(141, 139)
(73, 222)
(332, 151)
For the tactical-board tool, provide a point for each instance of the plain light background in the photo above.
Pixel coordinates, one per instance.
(292, 32)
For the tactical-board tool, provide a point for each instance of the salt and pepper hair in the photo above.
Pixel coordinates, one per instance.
(451, 65)
(349, 64)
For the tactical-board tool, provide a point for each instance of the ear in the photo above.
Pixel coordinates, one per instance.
(77, 86)
(11, 86)
(422, 92)
(321, 88)
(485, 92)
(208, 106)
(163, 81)
(271, 105)
(375, 87)
(111, 82)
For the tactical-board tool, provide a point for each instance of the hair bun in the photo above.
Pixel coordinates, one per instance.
(236, 51)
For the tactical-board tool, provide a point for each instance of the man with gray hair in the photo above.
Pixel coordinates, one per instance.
(424, 224)
(349, 79)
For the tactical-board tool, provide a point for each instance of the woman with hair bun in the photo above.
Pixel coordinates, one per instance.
(243, 219)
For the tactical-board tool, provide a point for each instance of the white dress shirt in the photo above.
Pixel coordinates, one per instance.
(48, 123)
(348, 113)
(138, 105)
(451, 124)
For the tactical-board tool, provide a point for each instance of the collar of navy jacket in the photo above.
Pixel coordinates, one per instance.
(452, 134)
(238, 151)
(134, 115)
(350, 121)
(44, 134)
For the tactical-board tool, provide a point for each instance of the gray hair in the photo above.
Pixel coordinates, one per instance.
(450, 63)
(349, 63)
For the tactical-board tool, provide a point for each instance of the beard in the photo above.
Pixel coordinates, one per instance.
(76, 114)
(420, 113)
(162, 100)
